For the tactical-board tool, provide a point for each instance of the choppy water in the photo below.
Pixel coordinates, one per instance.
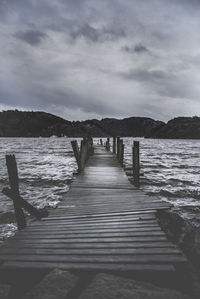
(171, 170)
(45, 169)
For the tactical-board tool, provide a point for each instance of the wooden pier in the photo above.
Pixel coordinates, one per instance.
(104, 224)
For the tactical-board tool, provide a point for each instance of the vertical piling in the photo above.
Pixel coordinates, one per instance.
(114, 145)
(136, 164)
(14, 185)
(108, 144)
(121, 152)
(76, 151)
(118, 141)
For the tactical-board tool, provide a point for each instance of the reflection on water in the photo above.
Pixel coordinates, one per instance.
(171, 170)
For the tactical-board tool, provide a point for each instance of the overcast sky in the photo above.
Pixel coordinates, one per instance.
(101, 58)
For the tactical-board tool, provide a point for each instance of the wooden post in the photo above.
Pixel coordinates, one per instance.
(38, 213)
(14, 185)
(114, 145)
(90, 147)
(136, 164)
(76, 151)
(108, 144)
(101, 142)
(118, 141)
(122, 155)
(84, 153)
(121, 149)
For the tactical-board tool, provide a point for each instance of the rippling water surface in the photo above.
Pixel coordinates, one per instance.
(171, 170)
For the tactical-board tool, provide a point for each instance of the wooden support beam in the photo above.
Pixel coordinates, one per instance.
(14, 185)
(136, 164)
(90, 146)
(108, 144)
(114, 145)
(38, 213)
(118, 141)
(84, 152)
(76, 151)
(121, 152)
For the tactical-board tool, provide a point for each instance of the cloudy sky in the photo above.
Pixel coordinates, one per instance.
(91, 59)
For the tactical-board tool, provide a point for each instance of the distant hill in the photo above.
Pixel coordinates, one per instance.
(130, 127)
(177, 128)
(14, 123)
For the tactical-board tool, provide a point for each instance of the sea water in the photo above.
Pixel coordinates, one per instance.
(170, 169)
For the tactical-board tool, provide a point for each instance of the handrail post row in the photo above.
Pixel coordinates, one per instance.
(136, 164)
(114, 145)
(86, 150)
(14, 185)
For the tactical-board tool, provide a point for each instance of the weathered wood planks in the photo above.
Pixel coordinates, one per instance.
(105, 223)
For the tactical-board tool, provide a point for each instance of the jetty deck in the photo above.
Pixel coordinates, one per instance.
(105, 223)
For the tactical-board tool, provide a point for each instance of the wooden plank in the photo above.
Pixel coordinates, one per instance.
(92, 231)
(92, 251)
(92, 226)
(91, 239)
(105, 245)
(140, 215)
(89, 266)
(105, 223)
(137, 259)
(87, 235)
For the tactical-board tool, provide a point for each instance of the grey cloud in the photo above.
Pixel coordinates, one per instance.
(86, 31)
(162, 83)
(138, 49)
(145, 75)
(31, 36)
(91, 77)
(96, 35)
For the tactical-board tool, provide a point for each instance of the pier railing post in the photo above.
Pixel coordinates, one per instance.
(108, 144)
(14, 185)
(118, 141)
(114, 145)
(121, 152)
(76, 151)
(136, 164)
(84, 149)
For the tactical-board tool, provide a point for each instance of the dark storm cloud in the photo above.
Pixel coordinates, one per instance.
(31, 36)
(96, 35)
(146, 75)
(91, 56)
(138, 48)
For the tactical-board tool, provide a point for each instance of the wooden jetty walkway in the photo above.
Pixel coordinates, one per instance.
(104, 224)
